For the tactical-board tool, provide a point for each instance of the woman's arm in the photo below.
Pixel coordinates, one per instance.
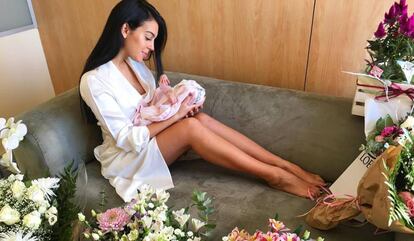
(157, 127)
(185, 110)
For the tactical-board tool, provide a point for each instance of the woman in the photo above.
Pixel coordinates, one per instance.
(115, 79)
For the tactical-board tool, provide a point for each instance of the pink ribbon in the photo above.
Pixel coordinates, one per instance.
(392, 91)
(331, 200)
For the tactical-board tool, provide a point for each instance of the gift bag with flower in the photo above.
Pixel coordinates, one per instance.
(148, 218)
(385, 192)
(379, 129)
(390, 66)
(31, 210)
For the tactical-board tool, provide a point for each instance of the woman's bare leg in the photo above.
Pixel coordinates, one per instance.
(190, 133)
(253, 149)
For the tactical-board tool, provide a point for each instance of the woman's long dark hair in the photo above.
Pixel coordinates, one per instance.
(134, 13)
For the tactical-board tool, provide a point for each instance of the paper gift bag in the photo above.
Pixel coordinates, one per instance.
(373, 192)
(397, 108)
(347, 183)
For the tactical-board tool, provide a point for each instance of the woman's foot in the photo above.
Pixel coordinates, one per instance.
(309, 177)
(290, 183)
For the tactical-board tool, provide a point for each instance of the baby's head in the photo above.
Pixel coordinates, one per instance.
(198, 94)
(191, 86)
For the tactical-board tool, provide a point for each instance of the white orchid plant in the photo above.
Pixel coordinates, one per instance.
(11, 133)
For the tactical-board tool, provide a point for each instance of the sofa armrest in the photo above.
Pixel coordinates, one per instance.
(57, 135)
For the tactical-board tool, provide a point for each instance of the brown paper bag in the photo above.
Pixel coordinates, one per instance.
(373, 192)
(327, 216)
(372, 200)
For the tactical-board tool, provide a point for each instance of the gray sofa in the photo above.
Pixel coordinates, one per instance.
(316, 132)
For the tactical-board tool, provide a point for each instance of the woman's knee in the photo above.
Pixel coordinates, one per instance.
(203, 118)
(192, 127)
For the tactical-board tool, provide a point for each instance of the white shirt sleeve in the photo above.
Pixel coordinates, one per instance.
(109, 114)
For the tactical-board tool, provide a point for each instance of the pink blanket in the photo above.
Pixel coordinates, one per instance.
(167, 101)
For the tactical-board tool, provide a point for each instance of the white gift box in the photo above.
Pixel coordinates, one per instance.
(369, 88)
(347, 182)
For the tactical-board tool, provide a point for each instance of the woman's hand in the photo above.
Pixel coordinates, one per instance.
(187, 109)
(164, 80)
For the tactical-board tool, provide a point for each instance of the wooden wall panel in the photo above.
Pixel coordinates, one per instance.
(339, 37)
(68, 31)
(262, 41)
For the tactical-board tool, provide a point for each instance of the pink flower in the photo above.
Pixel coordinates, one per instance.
(407, 25)
(402, 7)
(113, 220)
(380, 33)
(409, 202)
(379, 138)
(237, 235)
(289, 237)
(391, 130)
(277, 226)
(392, 14)
(269, 236)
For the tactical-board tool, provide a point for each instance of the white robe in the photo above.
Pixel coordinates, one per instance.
(129, 157)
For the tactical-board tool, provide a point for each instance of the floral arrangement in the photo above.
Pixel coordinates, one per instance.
(277, 232)
(392, 49)
(386, 133)
(27, 210)
(400, 177)
(11, 134)
(40, 209)
(400, 180)
(148, 218)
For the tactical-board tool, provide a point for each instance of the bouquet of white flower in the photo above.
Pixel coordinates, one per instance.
(28, 211)
(148, 218)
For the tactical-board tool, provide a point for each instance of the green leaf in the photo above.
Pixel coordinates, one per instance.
(298, 230)
(67, 209)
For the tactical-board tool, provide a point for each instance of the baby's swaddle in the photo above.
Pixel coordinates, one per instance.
(161, 108)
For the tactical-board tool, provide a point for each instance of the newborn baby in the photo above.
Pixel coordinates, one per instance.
(167, 101)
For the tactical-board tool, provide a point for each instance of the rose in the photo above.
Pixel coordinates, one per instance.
(35, 194)
(9, 215)
(391, 130)
(18, 188)
(52, 219)
(379, 138)
(409, 202)
(32, 220)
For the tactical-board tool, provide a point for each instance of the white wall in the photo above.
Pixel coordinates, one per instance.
(24, 76)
